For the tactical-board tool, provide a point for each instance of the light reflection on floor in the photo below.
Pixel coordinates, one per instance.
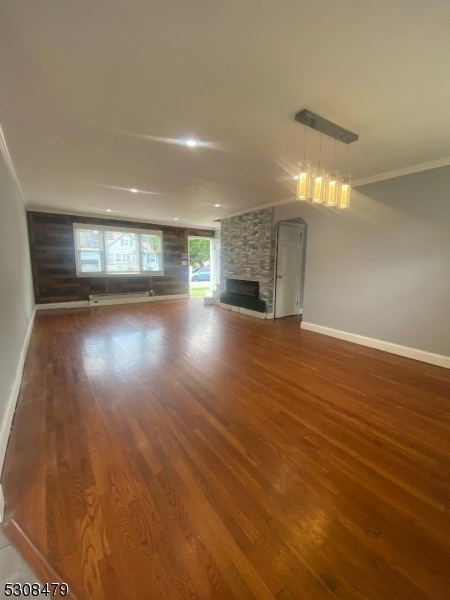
(121, 351)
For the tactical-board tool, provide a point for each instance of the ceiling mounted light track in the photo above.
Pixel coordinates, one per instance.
(318, 123)
(317, 184)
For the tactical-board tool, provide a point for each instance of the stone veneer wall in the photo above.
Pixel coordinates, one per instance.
(247, 251)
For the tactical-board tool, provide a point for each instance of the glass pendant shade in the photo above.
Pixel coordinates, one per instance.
(319, 185)
(344, 194)
(331, 198)
(304, 182)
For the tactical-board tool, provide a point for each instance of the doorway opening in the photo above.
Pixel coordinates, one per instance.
(289, 269)
(204, 262)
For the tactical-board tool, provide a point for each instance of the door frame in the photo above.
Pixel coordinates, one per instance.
(211, 246)
(298, 222)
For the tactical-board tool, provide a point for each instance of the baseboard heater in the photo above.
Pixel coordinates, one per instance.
(105, 299)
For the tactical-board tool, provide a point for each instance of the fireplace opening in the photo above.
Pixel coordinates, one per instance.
(243, 287)
(243, 293)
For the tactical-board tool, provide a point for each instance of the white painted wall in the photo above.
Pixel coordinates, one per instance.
(16, 297)
(382, 269)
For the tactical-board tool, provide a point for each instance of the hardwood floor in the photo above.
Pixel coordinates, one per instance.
(175, 451)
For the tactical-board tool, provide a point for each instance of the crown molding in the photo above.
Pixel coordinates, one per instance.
(9, 164)
(426, 166)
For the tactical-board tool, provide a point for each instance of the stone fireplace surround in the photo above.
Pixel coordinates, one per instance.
(247, 253)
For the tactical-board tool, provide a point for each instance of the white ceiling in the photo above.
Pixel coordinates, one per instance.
(92, 92)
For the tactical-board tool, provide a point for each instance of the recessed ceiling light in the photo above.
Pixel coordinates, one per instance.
(175, 218)
(134, 190)
(108, 210)
(191, 143)
(295, 177)
(217, 205)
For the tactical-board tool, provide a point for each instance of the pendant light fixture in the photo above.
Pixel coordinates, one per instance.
(318, 185)
(304, 177)
(332, 188)
(344, 194)
(332, 191)
(304, 183)
(344, 190)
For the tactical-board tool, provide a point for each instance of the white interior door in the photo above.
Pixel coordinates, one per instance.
(215, 264)
(289, 266)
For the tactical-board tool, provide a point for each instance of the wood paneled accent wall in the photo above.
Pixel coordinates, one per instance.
(53, 260)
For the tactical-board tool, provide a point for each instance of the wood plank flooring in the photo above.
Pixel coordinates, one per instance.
(176, 451)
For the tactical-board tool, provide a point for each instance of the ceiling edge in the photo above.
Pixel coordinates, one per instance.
(426, 166)
(9, 163)
(122, 217)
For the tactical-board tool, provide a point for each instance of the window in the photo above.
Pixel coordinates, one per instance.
(104, 251)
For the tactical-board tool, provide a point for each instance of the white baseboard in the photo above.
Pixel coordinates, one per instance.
(171, 297)
(259, 315)
(106, 302)
(54, 305)
(5, 426)
(117, 300)
(429, 357)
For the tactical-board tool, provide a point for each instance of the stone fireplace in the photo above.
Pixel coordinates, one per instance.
(247, 256)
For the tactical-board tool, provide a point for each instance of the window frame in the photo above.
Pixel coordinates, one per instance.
(102, 229)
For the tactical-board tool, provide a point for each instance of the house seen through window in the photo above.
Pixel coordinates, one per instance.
(105, 251)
